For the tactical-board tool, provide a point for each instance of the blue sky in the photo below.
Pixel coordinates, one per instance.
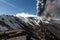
(13, 7)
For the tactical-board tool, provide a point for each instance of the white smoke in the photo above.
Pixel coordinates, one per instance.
(40, 7)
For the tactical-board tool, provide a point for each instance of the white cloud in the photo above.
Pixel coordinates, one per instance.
(10, 4)
(4, 1)
(25, 15)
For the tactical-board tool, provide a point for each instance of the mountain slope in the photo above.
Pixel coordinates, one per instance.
(8, 23)
(33, 25)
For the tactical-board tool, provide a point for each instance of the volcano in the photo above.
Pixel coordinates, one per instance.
(44, 26)
(35, 27)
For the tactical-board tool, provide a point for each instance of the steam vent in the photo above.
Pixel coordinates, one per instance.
(44, 26)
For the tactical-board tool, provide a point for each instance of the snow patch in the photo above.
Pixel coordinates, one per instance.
(25, 15)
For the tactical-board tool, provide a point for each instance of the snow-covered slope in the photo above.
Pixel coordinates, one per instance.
(8, 22)
(37, 22)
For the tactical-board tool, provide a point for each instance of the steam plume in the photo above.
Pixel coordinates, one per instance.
(53, 8)
(40, 7)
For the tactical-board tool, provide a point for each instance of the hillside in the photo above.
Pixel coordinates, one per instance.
(34, 27)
